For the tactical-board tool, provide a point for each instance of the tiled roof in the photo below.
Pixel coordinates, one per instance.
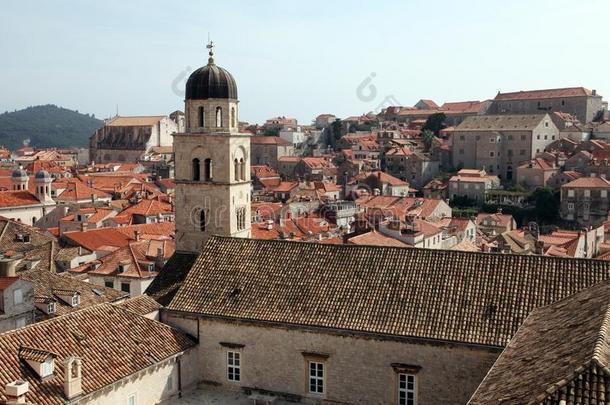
(269, 140)
(374, 238)
(262, 171)
(113, 344)
(547, 93)
(588, 182)
(147, 207)
(286, 186)
(48, 284)
(383, 177)
(6, 282)
(134, 121)
(17, 198)
(463, 107)
(465, 297)
(77, 191)
(560, 353)
(170, 278)
(141, 304)
(508, 122)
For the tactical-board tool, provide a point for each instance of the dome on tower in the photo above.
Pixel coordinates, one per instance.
(210, 81)
(19, 174)
(42, 175)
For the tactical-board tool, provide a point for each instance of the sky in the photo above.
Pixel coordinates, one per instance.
(297, 59)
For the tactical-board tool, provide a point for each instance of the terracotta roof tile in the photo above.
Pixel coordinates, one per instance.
(465, 297)
(103, 336)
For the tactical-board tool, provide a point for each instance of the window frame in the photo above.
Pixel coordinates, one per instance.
(18, 292)
(319, 382)
(233, 369)
(406, 390)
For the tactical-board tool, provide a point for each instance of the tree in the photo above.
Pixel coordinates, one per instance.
(435, 123)
(335, 132)
(427, 136)
(547, 204)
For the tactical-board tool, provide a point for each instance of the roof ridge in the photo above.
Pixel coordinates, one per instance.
(603, 334)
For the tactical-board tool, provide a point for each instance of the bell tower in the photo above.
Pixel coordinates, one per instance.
(212, 161)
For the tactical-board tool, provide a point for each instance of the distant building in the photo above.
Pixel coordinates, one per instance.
(498, 144)
(473, 184)
(583, 103)
(585, 200)
(128, 139)
(536, 173)
(267, 150)
(16, 298)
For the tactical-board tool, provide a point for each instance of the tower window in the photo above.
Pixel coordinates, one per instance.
(201, 117)
(196, 170)
(218, 117)
(202, 220)
(242, 169)
(236, 168)
(207, 168)
(241, 218)
(233, 117)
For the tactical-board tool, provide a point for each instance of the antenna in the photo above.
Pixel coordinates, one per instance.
(117, 110)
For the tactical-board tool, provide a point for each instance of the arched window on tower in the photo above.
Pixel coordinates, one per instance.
(242, 169)
(236, 169)
(233, 117)
(218, 117)
(201, 117)
(196, 170)
(207, 169)
(202, 220)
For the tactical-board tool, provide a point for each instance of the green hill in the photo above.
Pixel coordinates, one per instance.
(47, 126)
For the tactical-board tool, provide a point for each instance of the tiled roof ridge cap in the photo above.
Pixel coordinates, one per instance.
(213, 238)
(603, 335)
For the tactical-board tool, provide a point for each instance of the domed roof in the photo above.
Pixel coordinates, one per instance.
(210, 81)
(42, 174)
(19, 174)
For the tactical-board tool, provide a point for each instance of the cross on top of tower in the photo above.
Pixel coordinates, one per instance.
(210, 47)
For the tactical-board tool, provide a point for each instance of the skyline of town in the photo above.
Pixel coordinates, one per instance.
(415, 50)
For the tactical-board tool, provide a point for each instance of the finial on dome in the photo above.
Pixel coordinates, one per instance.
(210, 47)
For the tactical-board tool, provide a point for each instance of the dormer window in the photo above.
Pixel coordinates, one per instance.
(76, 300)
(71, 298)
(42, 362)
(50, 308)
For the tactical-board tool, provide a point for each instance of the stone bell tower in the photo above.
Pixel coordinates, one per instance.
(212, 161)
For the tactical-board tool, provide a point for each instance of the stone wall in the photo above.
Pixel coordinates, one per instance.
(358, 370)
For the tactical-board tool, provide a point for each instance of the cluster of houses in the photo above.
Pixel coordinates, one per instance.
(92, 258)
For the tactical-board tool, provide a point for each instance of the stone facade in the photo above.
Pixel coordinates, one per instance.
(16, 305)
(580, 102)
(128, 139)
(212, 174)
(357, 369)
(499, 145)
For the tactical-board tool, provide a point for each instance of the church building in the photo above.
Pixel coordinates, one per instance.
(212, 161)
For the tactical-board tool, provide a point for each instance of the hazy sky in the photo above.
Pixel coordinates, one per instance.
(296, 58)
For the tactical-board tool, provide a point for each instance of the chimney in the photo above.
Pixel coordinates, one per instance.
(594, 92)
(137, 235)
(73, 386)
(8, 267)
(15, 392)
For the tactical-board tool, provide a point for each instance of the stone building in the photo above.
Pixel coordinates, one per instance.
(267, 150)
(536, 173)
(25, 203)
(16, 298)
(212, 162)
(498, 144)
(583, 103)
(128, 139)
(585, 200)
(473, 184)
(327, 305)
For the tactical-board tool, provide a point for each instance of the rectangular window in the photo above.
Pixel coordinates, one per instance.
(109, 284)
(587, 193)
(234, 366)
(604, 194)
(406, 389)
(316, 377)
(125, 287)
(17, 296)
(20, 322)
(132, 400)
(571, 193)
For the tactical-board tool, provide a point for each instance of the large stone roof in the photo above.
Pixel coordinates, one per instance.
(508, 122)
(473, 298)
(561, 352)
